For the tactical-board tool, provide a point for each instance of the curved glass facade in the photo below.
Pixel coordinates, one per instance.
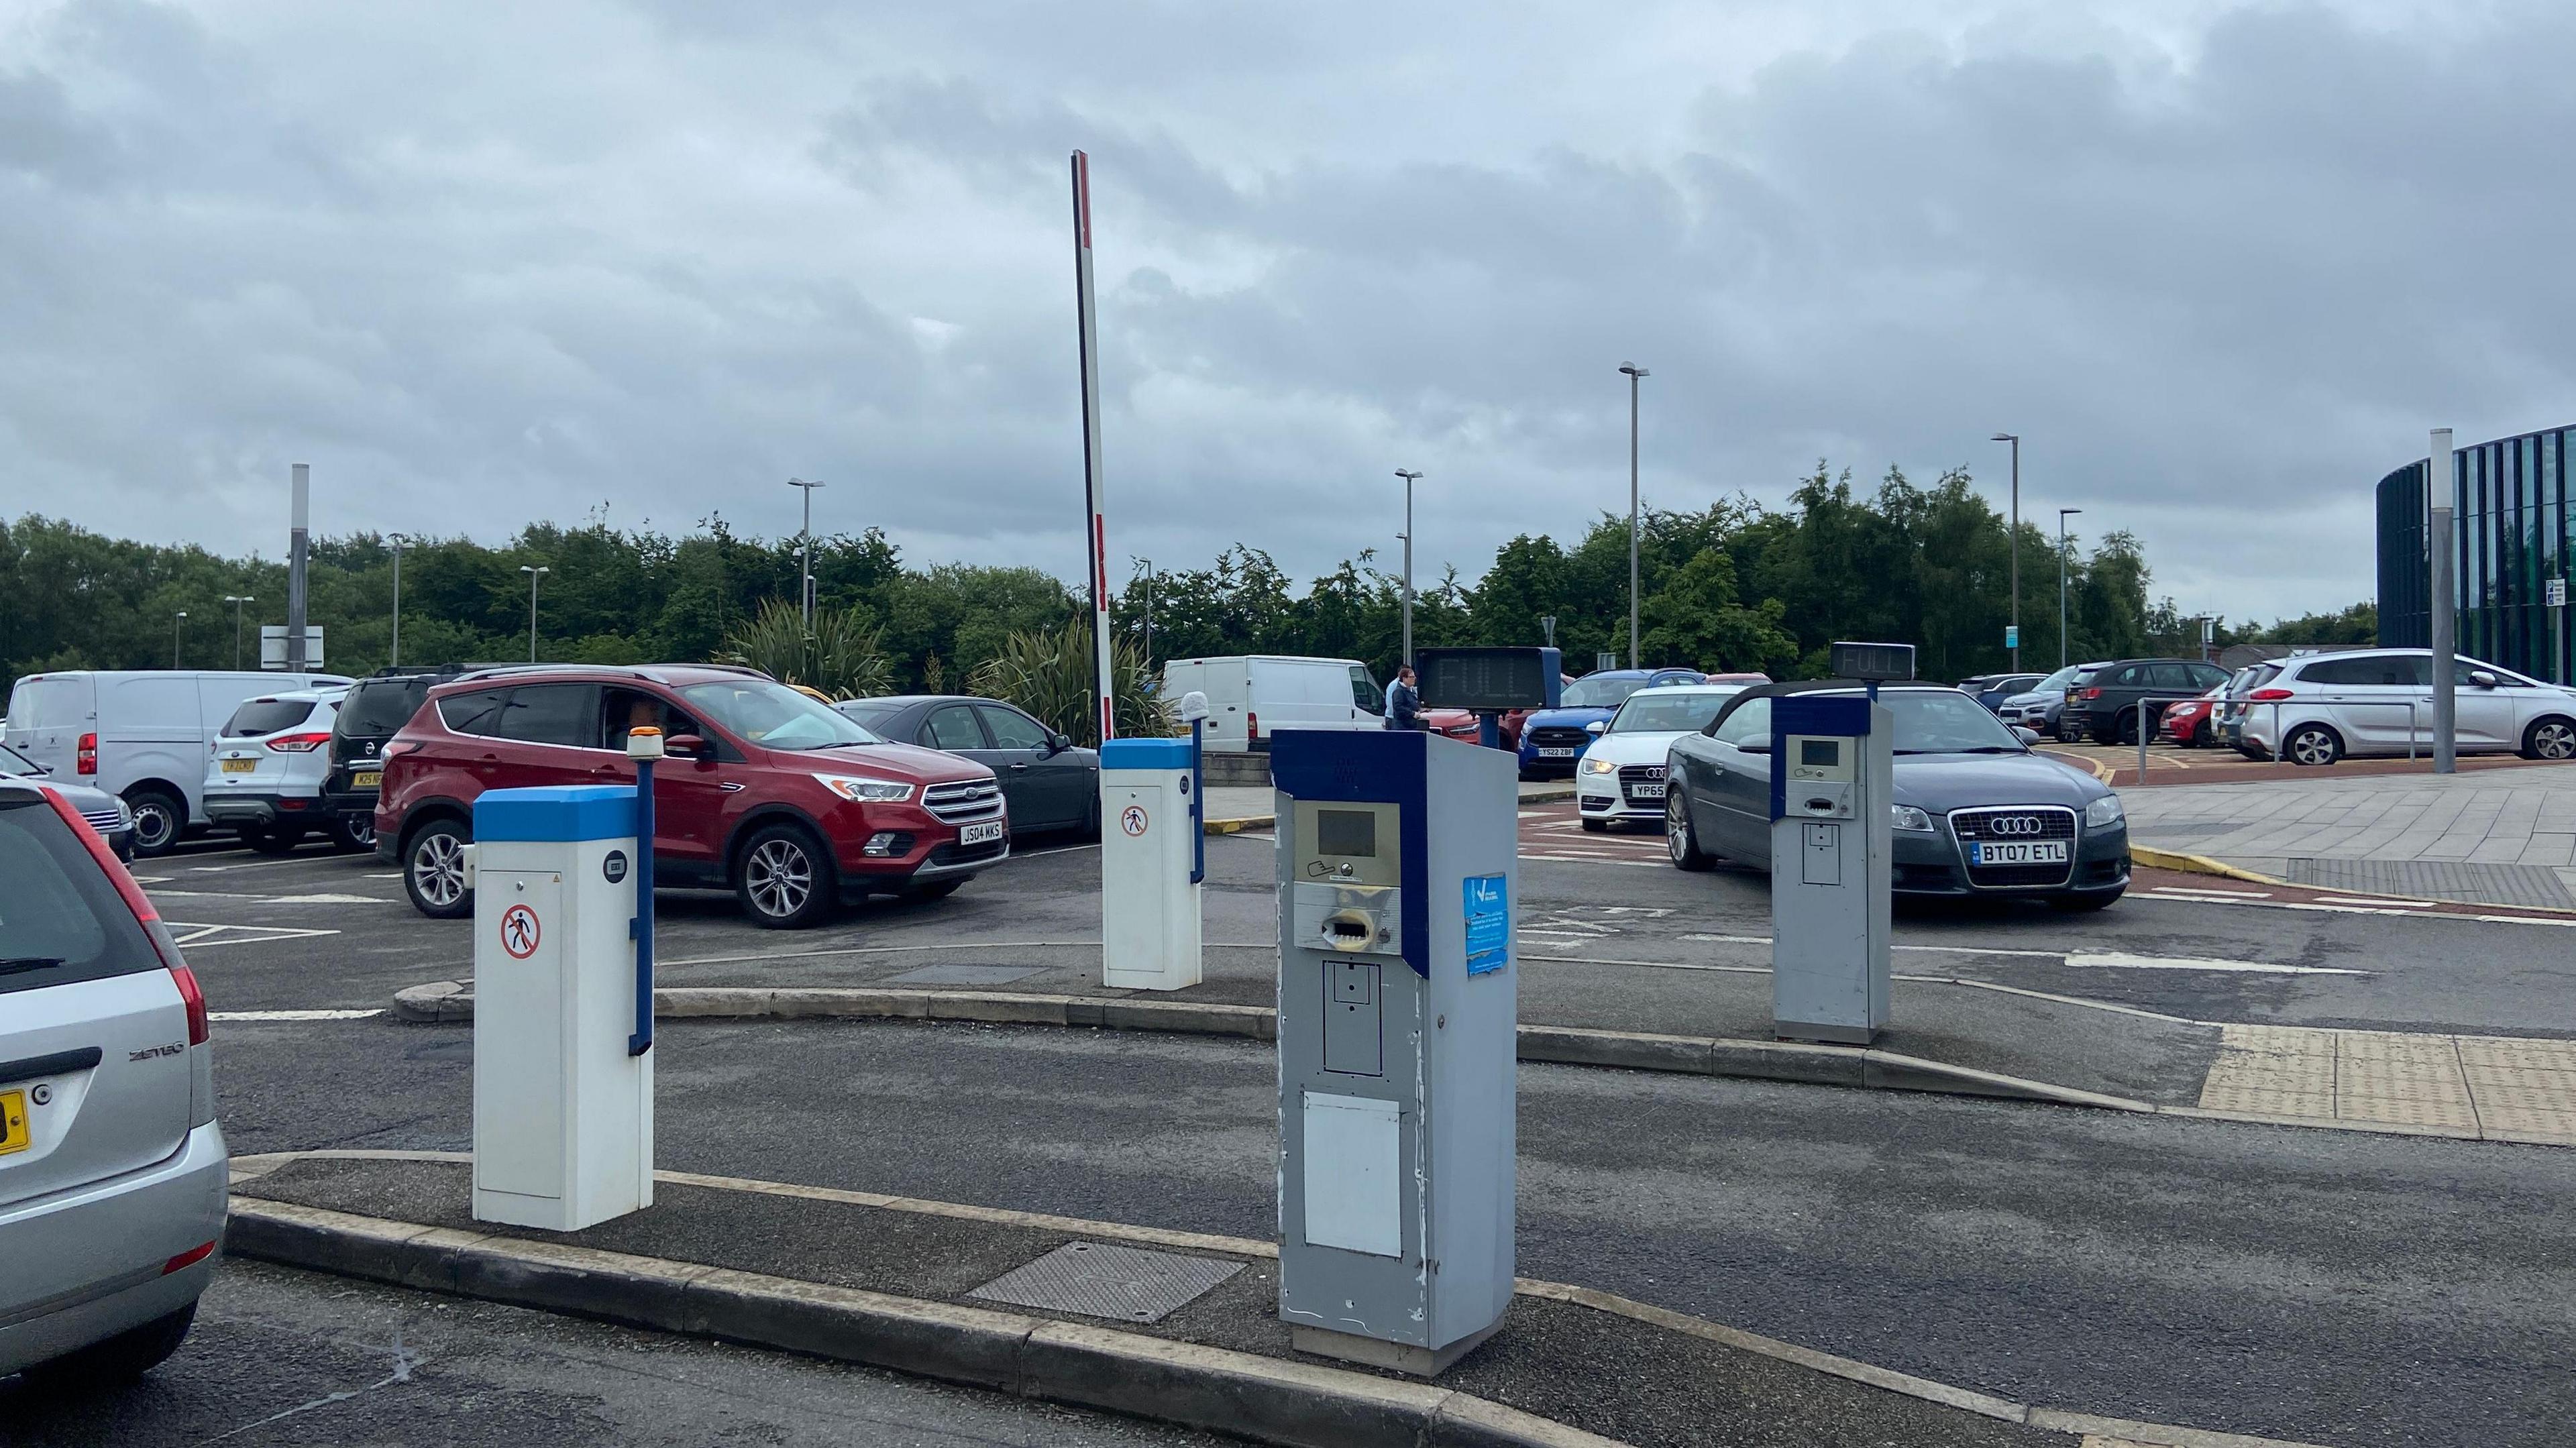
(2509, 502)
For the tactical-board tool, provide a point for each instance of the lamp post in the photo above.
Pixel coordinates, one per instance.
(533, 575)
(1634, 374)
(2015, 439)
(2062, 515)
(1410, 478)
(182, 617)
(1147, 564)
(805, 555)
(397, 540)
(236, 600)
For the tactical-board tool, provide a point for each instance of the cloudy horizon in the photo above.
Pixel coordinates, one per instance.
(2220, 264)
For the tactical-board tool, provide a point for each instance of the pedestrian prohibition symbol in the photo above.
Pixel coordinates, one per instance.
(519, 932)
(1132, 820)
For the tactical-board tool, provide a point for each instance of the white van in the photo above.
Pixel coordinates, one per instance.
(1252, 696)
(145, 736)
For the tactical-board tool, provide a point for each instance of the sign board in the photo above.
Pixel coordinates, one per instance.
(1490, 681)
(1882, 662)
(2012, 635)
(1604, 660)
(2557, 593)
(1489, 924)
(272, 646)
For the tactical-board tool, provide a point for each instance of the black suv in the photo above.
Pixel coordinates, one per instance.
(377, 705)
(2105, 707)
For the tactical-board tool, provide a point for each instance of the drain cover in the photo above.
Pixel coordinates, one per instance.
(1099, 1280)
(968, 974)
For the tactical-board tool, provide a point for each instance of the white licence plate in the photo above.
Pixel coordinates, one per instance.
(2017, 852)
(1555, 752)
(984, 833)
(1645, 791)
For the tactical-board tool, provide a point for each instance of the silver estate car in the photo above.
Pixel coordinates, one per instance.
(112, 1170)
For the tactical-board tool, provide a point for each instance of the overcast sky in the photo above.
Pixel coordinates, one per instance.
(2221, 264)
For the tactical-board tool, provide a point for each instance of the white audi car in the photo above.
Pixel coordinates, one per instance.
(1622, 773)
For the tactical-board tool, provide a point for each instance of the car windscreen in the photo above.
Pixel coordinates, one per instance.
(774, 716)
(61, 919)
(871, 716)
(1945, 721)
(1668, 713)
(266, 716)
(2055, 681)
(379, 707)
(16, 765)
(1600, 693)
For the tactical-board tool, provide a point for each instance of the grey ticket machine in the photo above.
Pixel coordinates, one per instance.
(1397, 1015)
(1832, 779)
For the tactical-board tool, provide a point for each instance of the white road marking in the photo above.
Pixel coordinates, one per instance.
(2122, 960)
(292, 1015)
(2199, 891)
(204, 935)
(1025, 854)
(249, 899)
(2380, 901)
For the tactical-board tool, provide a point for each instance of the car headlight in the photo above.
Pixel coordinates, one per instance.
(1907, 817)
(865, 790)
(2103, 811)
(1599, 766)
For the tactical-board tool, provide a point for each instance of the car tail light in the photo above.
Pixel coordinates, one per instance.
(1251, 725)
(144, 914)
(298, 743)
(189, 1258)
(86, 762)
(2092, 693)
(195, 1000)
(2270, 695)
(398, 747)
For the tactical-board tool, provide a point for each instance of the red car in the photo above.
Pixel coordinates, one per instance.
(2189, 723)
(766, 793)
(1455, 723)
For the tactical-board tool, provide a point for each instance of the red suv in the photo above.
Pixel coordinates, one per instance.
(766, 793)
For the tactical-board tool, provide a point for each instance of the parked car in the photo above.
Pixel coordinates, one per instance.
(1992, 690)
(270, 762)
(105, 812)
(1452, 723)
(2041, 706)
(791, 805)
(2106, 708)
(1621, 780)
(2229, 716)
(2190, 724)
(2319, 708)
(1963, 781)
(1050, 782)
(376, 707)
(1518, 719)
(1251, 696)
(1554, 739)
(112, 1169)
(141, 736)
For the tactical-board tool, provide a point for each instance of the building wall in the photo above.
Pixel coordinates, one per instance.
(2509, 536)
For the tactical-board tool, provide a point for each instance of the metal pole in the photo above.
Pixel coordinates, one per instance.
(174, 636)
(237, 600)
(300, 492)
(2440, 484)
(1409, 478)
(533, 575)
(1147, 564)
(1095, 486)
(1634, 375)
(2061, 583)
(2015, 439)
(805, 556)
(397, 541)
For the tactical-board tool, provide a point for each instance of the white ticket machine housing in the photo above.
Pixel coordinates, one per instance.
(1832, 780)
(563, 1114)
(1149, 843)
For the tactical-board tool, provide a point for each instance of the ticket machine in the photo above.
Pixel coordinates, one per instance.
(1832, 778)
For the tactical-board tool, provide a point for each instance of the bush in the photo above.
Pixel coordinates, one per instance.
(1049, 673)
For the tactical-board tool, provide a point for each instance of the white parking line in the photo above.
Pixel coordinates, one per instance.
(292, 1015)
(201, 935)
(2122, 960)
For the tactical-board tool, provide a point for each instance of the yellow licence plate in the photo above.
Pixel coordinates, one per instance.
(240, 766)
(367, 779)
(13, 1122)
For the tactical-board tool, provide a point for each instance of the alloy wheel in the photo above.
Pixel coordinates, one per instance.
(2312, 746)
(1677, 838)
(438, 868)
(779, 877)
(2554, 740)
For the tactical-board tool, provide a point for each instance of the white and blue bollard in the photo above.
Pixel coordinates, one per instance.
(1153, 861)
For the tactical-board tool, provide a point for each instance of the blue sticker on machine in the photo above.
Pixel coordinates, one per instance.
(1489, 924)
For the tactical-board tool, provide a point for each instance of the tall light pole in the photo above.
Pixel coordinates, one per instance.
(2062, 515)
(1410, 478)
(2015, 440)
(1147, 564)
(1635, 374)
(533, 575)
(236, 600)
(174, 636)
(397, 540)
(805, 553)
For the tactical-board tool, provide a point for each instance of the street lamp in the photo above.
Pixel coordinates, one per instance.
(1634, 373)
(1147, 564)
(2015, 439)
(174, 636)
(2062, 515)
(397, 540)
(533, 575)
(236, 600)
(1410, 478)
(805, 554)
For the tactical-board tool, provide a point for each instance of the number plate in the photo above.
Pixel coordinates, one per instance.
(13, 1122)
(984, 833)
(2017, 852)
(1556, 751)
(367, 779)
(239, 766)
(1645, 791)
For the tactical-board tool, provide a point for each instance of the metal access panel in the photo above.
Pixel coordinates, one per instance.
(1397, 1012)
(1832, 779)
(1100, 1279)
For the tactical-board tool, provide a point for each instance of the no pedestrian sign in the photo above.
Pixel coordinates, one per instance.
(1132, 820)
(519, 932)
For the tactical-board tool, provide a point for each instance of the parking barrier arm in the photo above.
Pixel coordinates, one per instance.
(641, 927)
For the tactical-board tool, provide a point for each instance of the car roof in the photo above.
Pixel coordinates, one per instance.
(330, 695)
(667, 675)
(1668, 690)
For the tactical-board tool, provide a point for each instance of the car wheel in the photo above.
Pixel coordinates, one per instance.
(2126, 726)
(2312, 744)
(2549, 739)
(1681, 842)
(117, 1360)
(783, 879)
(1596, 827)
(353, 833)
(2077, 903)
(158, 817)
(2202, 738)
(434, 870)
(274, 840)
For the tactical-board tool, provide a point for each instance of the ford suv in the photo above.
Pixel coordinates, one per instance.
(764, 792)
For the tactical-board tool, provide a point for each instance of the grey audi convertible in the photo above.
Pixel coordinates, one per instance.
(1968, 791)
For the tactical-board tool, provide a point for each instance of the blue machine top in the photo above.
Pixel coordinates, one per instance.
(568, 812)
(1846, 715)
(1145, 754)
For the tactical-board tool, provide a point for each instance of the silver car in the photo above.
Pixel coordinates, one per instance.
(112, 1170)
(106, 814)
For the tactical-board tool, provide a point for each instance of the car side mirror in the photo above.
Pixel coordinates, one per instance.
(1755, 746)
(2482, 678)
(686, 746)
(1597, 727)
(1059, 743)
(2028, 737)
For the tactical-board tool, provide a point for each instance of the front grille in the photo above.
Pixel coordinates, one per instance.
(2010, 823)
(1557, 736)
(963, 801)
(103, 820)
(1632, 775)
(954, 853)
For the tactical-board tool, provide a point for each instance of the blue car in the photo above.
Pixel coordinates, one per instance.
(1554, 739)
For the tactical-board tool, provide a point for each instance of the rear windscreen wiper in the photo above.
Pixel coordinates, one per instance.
(12, 965)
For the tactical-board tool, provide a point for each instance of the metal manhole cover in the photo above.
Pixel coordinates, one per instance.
(1096, 1279)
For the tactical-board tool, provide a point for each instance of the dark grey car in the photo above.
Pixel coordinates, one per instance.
(1962, 778)
(1049, 782)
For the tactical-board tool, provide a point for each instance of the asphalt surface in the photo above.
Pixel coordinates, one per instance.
(281, 1358)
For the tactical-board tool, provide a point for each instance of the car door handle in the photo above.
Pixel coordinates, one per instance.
(731, 786)
(1021, 765)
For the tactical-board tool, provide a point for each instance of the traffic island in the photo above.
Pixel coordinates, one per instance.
(1171, 1325)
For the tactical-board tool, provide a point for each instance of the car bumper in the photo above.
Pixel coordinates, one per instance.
(1602, 801)
(86, 1264)
(259, 811)
(1933, 864)
(927, 850)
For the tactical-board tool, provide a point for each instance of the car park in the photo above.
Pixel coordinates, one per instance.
(1554, 739)
(1252, 696)
(142, 735)
(1050, 782)
(113, 1172)
(1621, 779)
(788, 803)
(2108, 706)
(105, 812)
(1976, 812)
(2320, 708)
(265, 779)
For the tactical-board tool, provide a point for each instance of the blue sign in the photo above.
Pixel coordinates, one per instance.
(2012, 636)
(1489, 924)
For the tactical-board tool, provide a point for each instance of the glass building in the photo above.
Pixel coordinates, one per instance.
(2509, 505)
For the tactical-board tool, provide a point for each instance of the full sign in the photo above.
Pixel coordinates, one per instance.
(1490, 681)
(1884, 663)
